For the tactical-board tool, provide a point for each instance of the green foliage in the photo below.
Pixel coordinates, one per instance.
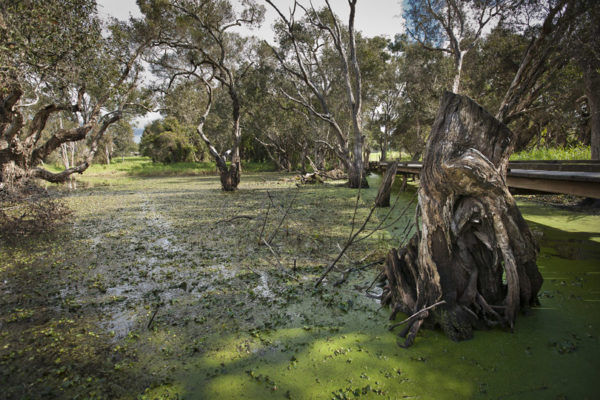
(167, 141)
(123, 139)
(118, 141)
(51, 37)
(554, 153)
(145, 167)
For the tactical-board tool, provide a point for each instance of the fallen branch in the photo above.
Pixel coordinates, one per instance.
(153, 315)
(348, 244)
(234, 218)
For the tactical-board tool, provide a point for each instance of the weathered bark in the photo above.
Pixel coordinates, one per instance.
(20, 152)
(471, 232)
(357, 176)
(230, 177)
(385, 190)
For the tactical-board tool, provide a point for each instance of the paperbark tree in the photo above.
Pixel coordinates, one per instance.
(68, 67)
(452, 26)
(586, 51)
(303, 65)
(195, 40)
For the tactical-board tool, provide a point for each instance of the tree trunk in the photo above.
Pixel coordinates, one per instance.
(591, 79)
(385, 190)
(356, 175)
(230, 178)
(472, 263)
(384, 143)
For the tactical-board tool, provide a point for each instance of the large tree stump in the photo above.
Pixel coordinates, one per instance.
(472, 263)
(385, 189)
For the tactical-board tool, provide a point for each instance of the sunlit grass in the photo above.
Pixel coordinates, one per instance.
(390, 155)
(144, 167)
(579, 152)
(554, 153)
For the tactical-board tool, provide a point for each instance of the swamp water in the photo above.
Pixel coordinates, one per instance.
(156, 291)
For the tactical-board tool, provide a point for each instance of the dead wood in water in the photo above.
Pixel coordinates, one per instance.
(385, 190)
(471, 232)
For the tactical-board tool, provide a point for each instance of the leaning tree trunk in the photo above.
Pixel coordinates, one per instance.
(472, 263)
(385, 190)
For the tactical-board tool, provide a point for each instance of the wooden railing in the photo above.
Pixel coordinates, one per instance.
(579, 178)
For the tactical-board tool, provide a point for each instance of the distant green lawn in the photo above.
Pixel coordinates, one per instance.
(144, 167)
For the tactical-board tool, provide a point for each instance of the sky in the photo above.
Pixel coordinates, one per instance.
(373, 17)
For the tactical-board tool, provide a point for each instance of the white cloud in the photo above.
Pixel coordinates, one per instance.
(120, 9)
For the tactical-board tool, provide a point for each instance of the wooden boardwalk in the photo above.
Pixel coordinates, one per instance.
(579, 178)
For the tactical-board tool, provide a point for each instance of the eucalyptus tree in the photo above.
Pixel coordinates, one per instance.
(54, 59)
(195, 40)
(421, 77)
(453, 26)
(288, 135)
(384, 90)
(585, 49)
(556, 115)
(303, 46)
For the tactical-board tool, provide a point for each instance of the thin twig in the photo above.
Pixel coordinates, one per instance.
(415, 315)
(287, 210)
(347, 272)
(378, 227)
(265, 221)
(274, 253)
(372, 283)
(153, 315)
(234, 218)
(348, 244)
(340, 249)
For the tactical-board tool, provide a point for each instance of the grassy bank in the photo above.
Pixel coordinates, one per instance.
(553, 153)
(569, 153)
(144, 167)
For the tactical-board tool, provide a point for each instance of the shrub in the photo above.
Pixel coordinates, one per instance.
(167, 141)
(27, 209)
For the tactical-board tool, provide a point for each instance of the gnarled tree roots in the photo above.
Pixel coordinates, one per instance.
(472, 264)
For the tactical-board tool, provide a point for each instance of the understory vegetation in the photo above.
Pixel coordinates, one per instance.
(537, 153)
(554, 153)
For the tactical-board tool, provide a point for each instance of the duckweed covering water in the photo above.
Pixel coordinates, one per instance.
(156, 291)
